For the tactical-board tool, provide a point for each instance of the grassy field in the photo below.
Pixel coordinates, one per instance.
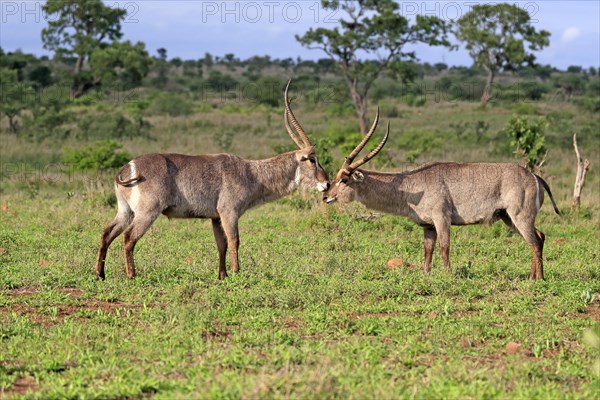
(314, 311)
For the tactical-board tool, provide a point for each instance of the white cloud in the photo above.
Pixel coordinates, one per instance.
(570, 34)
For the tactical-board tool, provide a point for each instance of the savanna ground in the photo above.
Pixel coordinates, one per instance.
(314, 311)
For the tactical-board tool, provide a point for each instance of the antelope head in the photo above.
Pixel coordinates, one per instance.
(310, 173)
(343, 187)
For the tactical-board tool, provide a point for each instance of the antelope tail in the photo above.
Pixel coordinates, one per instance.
(131, 171)
(547, 189)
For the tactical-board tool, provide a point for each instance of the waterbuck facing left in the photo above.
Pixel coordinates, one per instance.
(216, 186)
(437, 195)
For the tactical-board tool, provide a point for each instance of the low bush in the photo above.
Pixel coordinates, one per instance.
(99, 156)
(453, 87)
(521, 108)
(112, 125)
(341, 109)
(417, 142)
(172, 104)
(49, 118)
(589, 104)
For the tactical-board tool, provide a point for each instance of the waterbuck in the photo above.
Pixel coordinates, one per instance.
(437, 195)
(216, 186)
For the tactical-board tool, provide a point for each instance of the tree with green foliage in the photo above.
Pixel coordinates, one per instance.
(528, 140)
(569, 84)
(14, 96)
(373, 28)
(84, 28)
(121, 62)
(20, 75)
(161, 68)
(496, 35)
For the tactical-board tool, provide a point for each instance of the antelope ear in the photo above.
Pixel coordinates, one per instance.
(358, 176)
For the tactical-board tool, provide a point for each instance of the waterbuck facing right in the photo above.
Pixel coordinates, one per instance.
(216, 186)
(437, 195)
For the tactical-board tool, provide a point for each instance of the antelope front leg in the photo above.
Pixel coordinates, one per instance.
(430, 238)
(230, 227)
(537, 255)
(221, 240)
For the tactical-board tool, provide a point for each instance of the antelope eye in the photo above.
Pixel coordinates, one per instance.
(344, 180)
(312, 160)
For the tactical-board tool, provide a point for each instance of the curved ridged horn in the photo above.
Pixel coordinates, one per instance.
(290, 131)
(293, 119)
(363, 142)
(373, 152)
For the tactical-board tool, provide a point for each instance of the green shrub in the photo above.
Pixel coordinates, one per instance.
(527, 139)
(172, 104)
(417, 142)
(593, 87)
(466, 130)
(137, 107)
(389, 88)
(223, 140)
(389, 110)
(589, 104)
(112, 125)
(48, 123)
(521, 108)
(204, 107)
(102, 155)
(455, 87)
(341, 109)
(349, 142)
(49, 118)
(324, 146)
(533, 90)
(219, 82)
(232, 108)
(266, 92)
(480, 129)
(420, 101)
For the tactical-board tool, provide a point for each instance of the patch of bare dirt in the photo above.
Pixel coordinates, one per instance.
(593, 310)
(292, 323)
(23, 291)
(484, 359)
(52, 314)
(72, 292)
(20, 386)
(469, 343)
(216, 335)
(375, 315)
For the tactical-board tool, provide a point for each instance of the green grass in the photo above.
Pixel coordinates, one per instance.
(314, 311)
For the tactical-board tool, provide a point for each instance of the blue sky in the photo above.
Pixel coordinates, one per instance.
(188, 29)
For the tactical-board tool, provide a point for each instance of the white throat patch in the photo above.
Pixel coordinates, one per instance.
(296, 182)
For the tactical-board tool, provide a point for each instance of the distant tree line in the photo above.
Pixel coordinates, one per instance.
(92, 62)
